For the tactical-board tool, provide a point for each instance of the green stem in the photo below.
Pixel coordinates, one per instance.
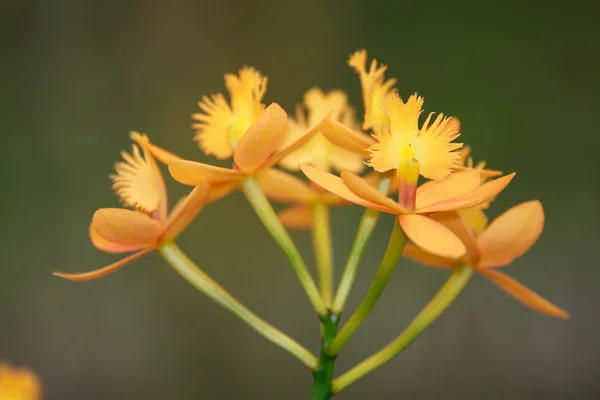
(387, 267)
(323, 250)
(194, 275)
(363, 234)
(267, 215)
(436, 306)
(323, 375)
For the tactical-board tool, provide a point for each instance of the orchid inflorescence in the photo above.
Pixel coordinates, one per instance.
(440, 222)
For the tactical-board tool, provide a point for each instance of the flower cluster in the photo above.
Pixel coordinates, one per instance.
(393, 161)
(18, 383)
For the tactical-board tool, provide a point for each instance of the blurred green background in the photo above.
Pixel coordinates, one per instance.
(77, 76)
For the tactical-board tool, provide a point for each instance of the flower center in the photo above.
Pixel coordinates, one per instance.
(408, 177)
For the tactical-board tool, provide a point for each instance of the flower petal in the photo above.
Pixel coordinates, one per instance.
(218, 191)
(432, 236)
(511, 234)
(346, 138)
(105, 245)
(483, 193)
(298, 217)
(456, 184)
(192, 173)
(422, 257)
(523, 294)
(364, 190)
(453, 221)
(283, 187)
(295, 145)
(336, 186)
(126, 227)
(162, 155)
(261, 139)
(99, 273)
(185, 212)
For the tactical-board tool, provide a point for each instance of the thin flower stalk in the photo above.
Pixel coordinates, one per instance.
(436, 306)
(323, 250)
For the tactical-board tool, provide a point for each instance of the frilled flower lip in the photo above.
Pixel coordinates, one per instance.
(257, 150)
(508, 237)
(119, 230)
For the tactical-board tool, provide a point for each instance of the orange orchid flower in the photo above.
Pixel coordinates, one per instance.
(489, 247)
(461, 190)
(18, 383)
(140, 185)
(320, 151)
(259, 148)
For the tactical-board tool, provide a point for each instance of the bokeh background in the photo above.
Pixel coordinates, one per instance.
(78, 75)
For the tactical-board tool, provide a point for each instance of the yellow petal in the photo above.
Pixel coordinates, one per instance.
(434, 191)
(511, 234)
(138, 181)
(297, 217)
(99, 273)
(523, 294)
(262, 139)
(421, 256)
(213, 125)
(336, 186)
(162, 155)
(364, 190)
(185, 212)
(192, 173)
(126, 227)
(432, 236)
(103, 244)
(283, 187)
(483, 193)
(346, 138)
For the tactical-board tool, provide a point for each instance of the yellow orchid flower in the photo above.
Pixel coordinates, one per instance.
(260, 147)
(140, 185)
(221, 125)
(320, 151)
(18, 383)
(461, 190)
(508, 237)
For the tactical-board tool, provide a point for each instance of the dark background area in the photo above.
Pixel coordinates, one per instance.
(77, 76)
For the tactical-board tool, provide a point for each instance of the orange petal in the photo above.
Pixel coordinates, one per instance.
(483, 193)
(283, 187)
(261, 139)
(99, 273)
(453, 221)
(511, 234)
(218, 191)
(192, 173)
(432, 236)
(298, 217)
(523, 294)
(485, 173)
(336, 186)
(456, 184)
(416, 254)
(126, 227)
(346, 138)
(162, 155)
(295, 145)
(364, 190)
(185, 212)
(102, 244)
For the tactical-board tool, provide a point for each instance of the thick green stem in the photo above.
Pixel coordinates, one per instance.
(445, 296)
(323, 375)
(323, 250)
(194, 275)
(267, 215)
(363, 234)
(387, 267)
